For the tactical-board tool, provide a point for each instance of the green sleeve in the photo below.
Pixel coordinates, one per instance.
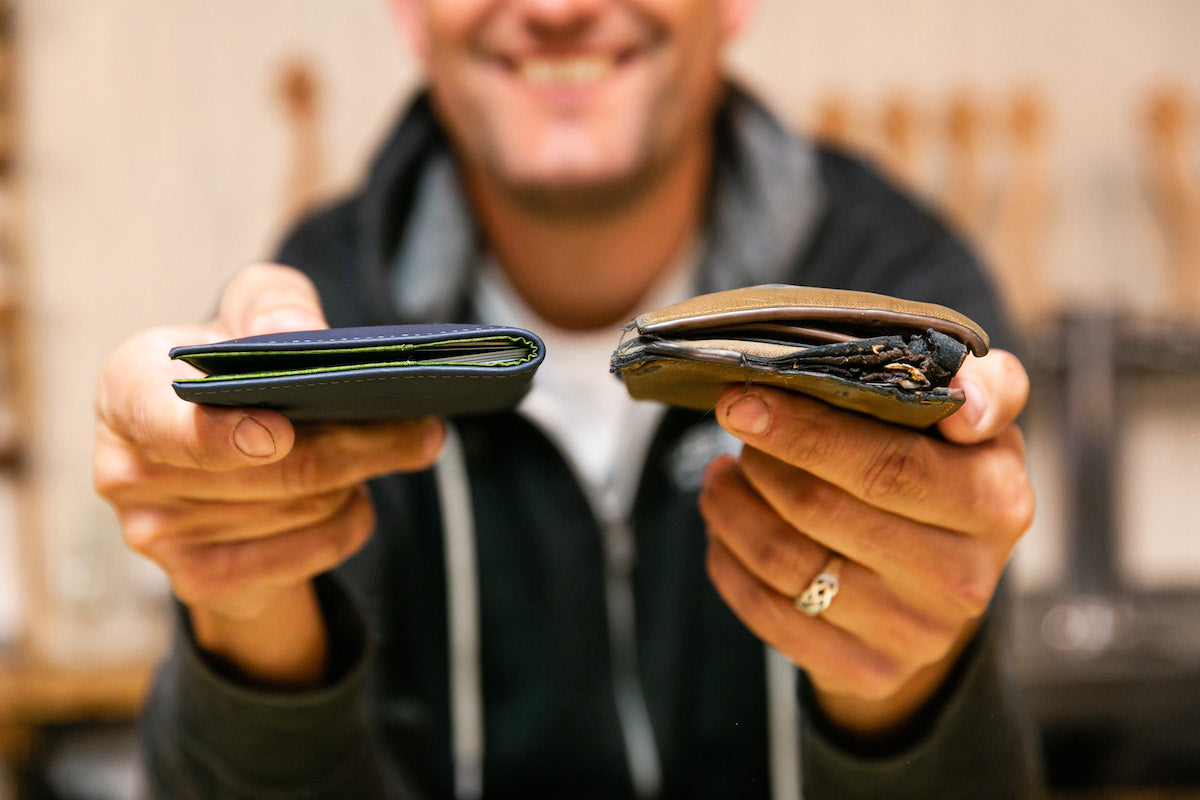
(207, 736)
(975, 742)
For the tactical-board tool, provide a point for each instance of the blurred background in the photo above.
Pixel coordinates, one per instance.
(149, 149)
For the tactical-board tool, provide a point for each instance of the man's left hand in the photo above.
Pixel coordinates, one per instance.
(922, 529)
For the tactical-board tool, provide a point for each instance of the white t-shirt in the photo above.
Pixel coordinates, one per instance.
(601, 430)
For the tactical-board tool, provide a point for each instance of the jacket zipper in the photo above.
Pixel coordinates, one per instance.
(612, 512)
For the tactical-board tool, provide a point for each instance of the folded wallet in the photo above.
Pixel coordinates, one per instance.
(880, 355)
(367, 374)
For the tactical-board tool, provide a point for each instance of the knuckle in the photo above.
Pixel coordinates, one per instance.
(902, 470)
(305, 469)
(786, 564)
(876, 540)
(193, 577)
(1020, 506)
(359, 535)
(924, 640)
(1005, 497)
(316, 508)
(114, 476)
(878, 677)
(813, 500)
(324, 545)
(216, 568)
(766, 554)
(355, 527)
(318, 554)
(1013, 439)
(970, 587)
(810, 441)
(143, 529)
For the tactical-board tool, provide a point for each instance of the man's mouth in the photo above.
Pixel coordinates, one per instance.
(568, 70)
(565, 71)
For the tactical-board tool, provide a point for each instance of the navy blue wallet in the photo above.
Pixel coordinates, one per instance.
(367, 374)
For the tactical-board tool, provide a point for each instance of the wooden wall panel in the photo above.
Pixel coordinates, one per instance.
(158, 150)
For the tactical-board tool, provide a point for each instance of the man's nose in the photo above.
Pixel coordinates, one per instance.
(562, 16)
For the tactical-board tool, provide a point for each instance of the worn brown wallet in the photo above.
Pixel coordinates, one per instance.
(880, 355)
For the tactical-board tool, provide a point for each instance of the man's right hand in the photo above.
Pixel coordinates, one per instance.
(238, 507)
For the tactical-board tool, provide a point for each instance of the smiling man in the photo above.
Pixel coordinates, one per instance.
(588, 596)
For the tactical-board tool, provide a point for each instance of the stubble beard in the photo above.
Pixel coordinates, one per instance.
(652, 158)
(582, 200)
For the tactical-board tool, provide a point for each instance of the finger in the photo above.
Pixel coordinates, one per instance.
(151, 529)
(835, 659)
(976, 489)
(137, 408)
(996, 388)
(769, 546)
(942, 570)
(787, 560)
(324, 458)
(210, 575)
(135, 401)
(269, 298)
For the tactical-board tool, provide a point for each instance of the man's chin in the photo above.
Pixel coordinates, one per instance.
(579, 198)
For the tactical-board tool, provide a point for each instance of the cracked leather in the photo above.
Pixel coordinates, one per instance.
(887, 357)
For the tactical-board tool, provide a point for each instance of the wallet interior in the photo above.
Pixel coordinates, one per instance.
(483, 351)
(918, 361)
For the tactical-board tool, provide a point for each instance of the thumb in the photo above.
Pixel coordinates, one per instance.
(996, 388)
(269, 298)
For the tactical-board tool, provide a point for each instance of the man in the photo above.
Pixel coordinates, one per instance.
(574, 162)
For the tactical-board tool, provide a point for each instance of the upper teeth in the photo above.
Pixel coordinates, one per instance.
(565, 70)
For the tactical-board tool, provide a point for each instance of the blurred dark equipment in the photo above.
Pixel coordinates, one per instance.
(1112, 671)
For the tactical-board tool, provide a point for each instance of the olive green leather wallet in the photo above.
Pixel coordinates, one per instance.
(890, 358)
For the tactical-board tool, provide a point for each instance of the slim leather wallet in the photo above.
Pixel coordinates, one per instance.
(367, 374)
(883, 356)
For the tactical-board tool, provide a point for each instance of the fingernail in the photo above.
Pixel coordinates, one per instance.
(253, 438)
(749, 414)
(975, 404)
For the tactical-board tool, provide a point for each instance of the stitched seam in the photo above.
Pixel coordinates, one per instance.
(217, 391)
(385, 337)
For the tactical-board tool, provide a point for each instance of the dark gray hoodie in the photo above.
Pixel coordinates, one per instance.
(593, 662)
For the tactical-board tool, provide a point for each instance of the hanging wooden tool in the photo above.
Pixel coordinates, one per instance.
(300, 93)
(1018, 233)
(900, 141)
(834, 123)
(964, 197)
(1173, 161)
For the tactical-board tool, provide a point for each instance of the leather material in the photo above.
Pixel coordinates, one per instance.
(890, 358)
(367, 374)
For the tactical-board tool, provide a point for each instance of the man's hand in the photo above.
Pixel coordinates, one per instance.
(239, 508)
(924, 527)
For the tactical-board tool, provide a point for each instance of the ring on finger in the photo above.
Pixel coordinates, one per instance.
(820, 593)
